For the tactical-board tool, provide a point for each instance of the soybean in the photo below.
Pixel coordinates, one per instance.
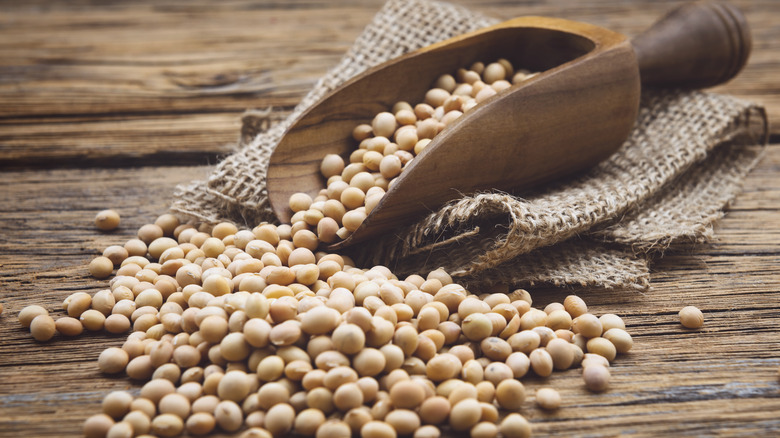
(620, 339)
(29, 313)
(510, 394)
(69, 326)
(465, 414)
(97, 426)
(691, 317)
(113, 360)
(548, 399)
(260, 328)
(280, 419)
(167, 425)
(107, 220)
(43, 328)
(596, 378)
(515, 426)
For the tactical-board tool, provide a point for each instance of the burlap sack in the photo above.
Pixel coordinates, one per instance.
(668, 183)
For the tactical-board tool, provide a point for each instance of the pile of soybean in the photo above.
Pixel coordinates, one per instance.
(389, 144)
(257, 331)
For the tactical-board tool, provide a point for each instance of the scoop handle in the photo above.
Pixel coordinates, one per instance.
(697, 45)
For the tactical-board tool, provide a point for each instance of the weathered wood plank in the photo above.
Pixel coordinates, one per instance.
(118, 141)
(130, 80)
(141, 78)
(676, 382)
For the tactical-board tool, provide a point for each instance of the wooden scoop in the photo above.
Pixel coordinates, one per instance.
(575, 113)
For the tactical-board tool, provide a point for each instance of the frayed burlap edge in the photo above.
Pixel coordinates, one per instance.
(575, 263)
(685, 213)
(594, 259)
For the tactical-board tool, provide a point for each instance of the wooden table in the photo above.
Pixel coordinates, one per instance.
(112, 104)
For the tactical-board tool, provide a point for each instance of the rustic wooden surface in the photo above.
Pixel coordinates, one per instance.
(112, 104)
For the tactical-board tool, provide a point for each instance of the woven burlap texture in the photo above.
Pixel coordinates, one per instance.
(684, 161)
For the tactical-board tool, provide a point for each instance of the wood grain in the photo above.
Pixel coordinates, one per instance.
(697, 45)
(131, 79)
(722, 378)
(143, 77)
(90, 119)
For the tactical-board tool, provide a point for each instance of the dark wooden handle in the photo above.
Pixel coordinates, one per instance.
(697, 45)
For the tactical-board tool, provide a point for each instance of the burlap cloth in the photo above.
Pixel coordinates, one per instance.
(669, 182)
